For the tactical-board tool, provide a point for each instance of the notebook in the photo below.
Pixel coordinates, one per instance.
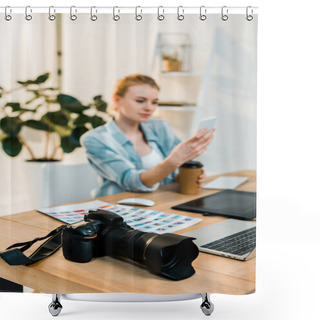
(229, 203)
(231, 238)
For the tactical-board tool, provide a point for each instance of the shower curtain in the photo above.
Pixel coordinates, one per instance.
(58, 73)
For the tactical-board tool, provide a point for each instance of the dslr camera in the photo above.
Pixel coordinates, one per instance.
(106, 234)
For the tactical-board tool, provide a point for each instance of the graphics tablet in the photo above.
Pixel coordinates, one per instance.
(229, 203)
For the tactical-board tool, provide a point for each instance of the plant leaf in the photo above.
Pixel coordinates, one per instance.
(81, 120)
(71, 104)
(11, 125)
(97, 121)
(76, 134)
(56, 117)
(11, 146)
(66, 145)
(42, 78)
(38, 125)
(100, 104)
(25, 83)
(15, 106)
(97, 98)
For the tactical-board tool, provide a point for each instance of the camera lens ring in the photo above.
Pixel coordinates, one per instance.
(146, 246)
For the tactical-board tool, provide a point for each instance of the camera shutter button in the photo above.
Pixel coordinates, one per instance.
(90, 232)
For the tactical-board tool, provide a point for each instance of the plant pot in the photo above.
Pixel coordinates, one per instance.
(172, 65)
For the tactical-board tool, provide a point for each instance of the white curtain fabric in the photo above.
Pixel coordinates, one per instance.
(222, 53)
(96, 54)
(28, 49)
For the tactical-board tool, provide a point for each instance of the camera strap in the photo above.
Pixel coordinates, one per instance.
(14, 254)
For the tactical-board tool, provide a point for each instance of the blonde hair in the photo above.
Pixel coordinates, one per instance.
(124, 83)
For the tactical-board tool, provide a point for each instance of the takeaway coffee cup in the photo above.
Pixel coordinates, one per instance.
(189, 173)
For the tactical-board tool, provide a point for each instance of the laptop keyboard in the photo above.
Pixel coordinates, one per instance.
(238, 244)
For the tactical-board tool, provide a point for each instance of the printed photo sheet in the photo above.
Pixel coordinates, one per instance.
(142, 219)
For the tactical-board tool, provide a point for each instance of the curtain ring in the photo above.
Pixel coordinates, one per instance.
(203, 13)
(160, 16)
(116, 17)
(249, 17)
(52, 17)
(28, 16)
(93, 17)
(224, 13)
(73, 16)
(7, 16)
(138, 16)
(180, 15)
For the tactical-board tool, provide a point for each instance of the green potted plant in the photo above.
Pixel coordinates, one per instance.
(46, 109)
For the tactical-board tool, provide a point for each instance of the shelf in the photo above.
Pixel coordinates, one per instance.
(163, 103)
(181, 108)
(180, 74)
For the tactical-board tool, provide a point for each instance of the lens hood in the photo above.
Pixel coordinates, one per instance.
(171, 256)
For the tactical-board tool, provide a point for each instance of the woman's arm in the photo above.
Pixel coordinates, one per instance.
(183, 152)
(109, 164)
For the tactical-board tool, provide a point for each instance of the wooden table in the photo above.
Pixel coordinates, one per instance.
(57, 275)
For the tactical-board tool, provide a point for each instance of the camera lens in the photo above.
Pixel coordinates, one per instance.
(168, 255)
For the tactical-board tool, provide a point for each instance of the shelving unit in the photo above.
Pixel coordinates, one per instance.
(176, 84)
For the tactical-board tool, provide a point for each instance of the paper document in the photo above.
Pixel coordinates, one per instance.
(150, 220)
(225, 183)
(72, 213)
(141, 219)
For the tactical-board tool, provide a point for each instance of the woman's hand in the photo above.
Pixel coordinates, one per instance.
(200, 180)
(183, 152)
(191, 148)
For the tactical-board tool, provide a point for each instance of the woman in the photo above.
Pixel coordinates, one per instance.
(133, 152)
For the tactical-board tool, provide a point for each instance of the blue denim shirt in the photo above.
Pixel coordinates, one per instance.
(114, 159)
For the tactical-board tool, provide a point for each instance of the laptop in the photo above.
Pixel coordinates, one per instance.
(231, 238)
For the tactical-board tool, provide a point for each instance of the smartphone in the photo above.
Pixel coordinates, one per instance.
(207, 123)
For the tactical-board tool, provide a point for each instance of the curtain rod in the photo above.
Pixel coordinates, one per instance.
(127, 9)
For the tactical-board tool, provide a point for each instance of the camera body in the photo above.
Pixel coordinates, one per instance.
(106, 234)
(83, 243)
